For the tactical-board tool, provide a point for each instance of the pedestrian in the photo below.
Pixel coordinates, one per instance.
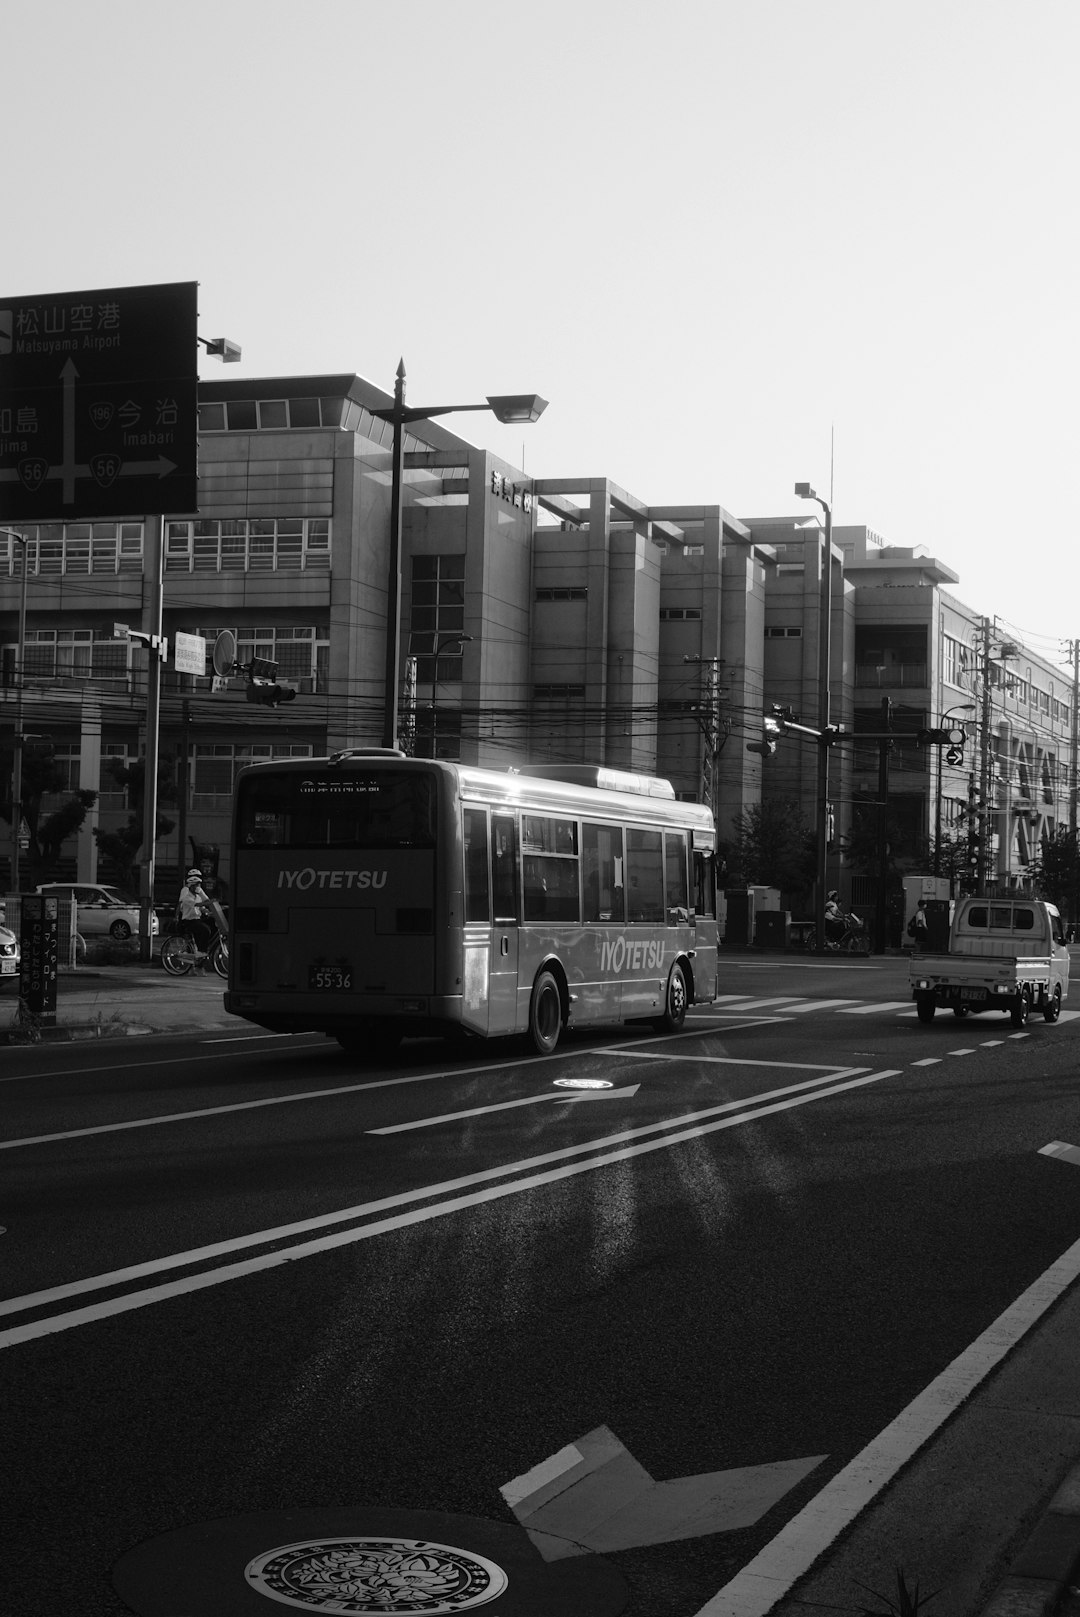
(918, 926)
(192, 909)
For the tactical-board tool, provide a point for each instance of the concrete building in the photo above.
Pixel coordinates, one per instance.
(540, 619)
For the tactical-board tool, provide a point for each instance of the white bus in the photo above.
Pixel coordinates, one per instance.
(375, 895)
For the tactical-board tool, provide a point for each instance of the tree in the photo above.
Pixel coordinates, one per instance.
(121, 847)
(1056, 869)
(46, 833)
(774, 846)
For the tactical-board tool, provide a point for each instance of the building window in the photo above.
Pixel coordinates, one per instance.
(58, 549)
(266, 544)
(436, 613)
(213, 768)
(780, 631)
(576, 592)
(75, 654)
(680, 614)
(255, 415)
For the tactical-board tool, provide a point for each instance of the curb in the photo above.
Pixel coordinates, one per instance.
(1048, 1563)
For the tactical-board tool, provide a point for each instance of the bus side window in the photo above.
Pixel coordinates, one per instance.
(504, 877)
(477, 905)
(704, 884)
(602, 872)
(644, 875)
(675, 891)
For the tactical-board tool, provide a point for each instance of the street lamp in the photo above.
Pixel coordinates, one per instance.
(513, 409)
(959, 707)
(805, 492)
(440, 646)
(17, 769)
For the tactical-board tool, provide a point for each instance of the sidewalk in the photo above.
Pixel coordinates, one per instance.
(109, 1001)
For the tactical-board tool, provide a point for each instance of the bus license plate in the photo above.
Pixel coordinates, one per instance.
(329, 977)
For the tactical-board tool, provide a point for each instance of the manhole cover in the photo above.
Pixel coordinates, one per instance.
(359, 1575)
(356, 1560)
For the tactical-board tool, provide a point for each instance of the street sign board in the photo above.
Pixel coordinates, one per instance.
(99, 403)
(189, 653)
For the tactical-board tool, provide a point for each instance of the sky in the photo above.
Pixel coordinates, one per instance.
(737, 244)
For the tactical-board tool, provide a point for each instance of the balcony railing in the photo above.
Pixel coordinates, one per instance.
(889, 675)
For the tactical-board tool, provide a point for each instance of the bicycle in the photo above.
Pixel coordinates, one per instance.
(180, 954)
(855, 938)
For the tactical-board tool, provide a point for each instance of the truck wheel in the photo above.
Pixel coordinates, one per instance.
(924, 1005)
(1018, 1011)
(1052, 1006)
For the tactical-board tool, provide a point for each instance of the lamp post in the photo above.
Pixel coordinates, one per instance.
(440, 646)
(17, 768)
(509, 408)
(805, 492)
(960, 707)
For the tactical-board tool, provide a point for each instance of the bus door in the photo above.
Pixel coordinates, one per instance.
(505, 912)
(705, 928)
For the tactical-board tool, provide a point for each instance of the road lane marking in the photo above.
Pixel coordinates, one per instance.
(705, 1123)
(506, 1106)
(817, 1005)
(880, 1005)
(769, 1576)
(928, 1061)
(970, 1051)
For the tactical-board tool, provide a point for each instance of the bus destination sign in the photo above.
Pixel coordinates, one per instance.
(99, 403)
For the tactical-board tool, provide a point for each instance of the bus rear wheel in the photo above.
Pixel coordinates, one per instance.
(545, 1014)
(675, 1004)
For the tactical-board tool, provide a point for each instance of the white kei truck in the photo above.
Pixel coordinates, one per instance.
(1005, 954)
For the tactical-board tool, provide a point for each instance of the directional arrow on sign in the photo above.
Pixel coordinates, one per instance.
(593, 1495)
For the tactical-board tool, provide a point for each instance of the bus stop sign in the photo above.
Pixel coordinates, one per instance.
(99, 403)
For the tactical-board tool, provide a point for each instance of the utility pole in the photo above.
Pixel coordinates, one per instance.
(881, 905)
(984, 767)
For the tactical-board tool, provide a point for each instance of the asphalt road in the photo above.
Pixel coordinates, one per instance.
(249, 1277)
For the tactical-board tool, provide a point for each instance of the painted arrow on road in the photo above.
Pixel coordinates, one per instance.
(593, 1495)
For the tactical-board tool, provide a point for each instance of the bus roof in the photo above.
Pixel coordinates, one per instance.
(572, 787)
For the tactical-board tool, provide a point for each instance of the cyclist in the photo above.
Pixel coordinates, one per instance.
(191, 910)
(834, 918)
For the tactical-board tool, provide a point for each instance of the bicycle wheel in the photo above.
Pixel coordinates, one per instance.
(177, 956)
(219, 956)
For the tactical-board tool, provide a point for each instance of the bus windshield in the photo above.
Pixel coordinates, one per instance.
(331, 809)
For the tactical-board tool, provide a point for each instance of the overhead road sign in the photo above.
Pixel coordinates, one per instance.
(99, 403)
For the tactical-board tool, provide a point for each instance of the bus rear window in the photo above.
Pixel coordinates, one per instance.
(390, 809)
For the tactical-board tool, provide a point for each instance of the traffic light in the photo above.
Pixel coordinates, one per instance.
(264, 686)
(771, 730)
(952, 736)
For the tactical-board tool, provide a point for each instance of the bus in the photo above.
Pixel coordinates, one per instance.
(375, 895)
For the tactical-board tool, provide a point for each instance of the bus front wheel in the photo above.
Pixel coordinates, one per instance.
(675, 1003)
(545, 1014)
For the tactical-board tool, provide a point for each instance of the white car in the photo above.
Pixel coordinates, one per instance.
(9, 955)
(102, 910)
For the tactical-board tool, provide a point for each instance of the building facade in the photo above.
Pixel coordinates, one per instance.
(541, 619)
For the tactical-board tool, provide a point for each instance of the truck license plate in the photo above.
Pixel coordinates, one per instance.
(329, 977)
(972, 993)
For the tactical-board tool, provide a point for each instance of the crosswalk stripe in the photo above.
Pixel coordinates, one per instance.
(882, 1005)
(820, 1005)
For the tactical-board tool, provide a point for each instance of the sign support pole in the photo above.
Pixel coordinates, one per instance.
(152, 563)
